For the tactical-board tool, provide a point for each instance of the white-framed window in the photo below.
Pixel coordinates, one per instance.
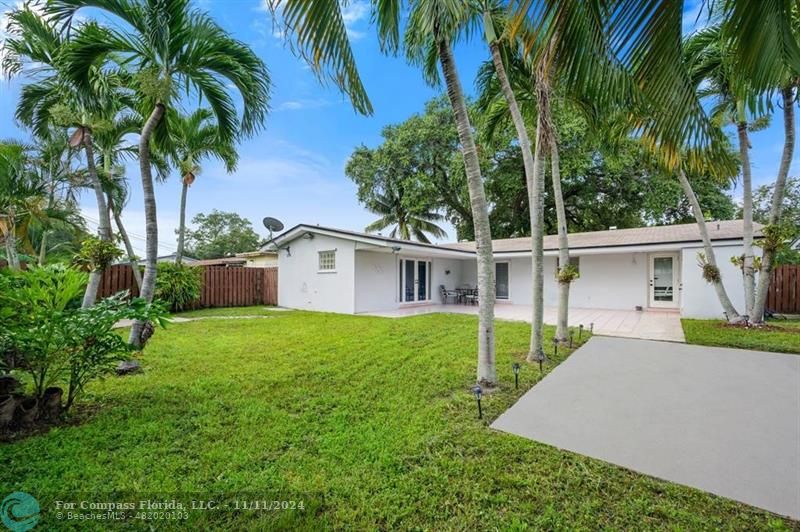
(327, 260)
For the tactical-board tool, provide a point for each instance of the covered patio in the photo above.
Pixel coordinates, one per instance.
(648, 324)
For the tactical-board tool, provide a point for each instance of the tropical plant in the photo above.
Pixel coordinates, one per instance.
(711, 64)
(407, 224)
(23, 196)
(55, 339)
(37, 46)
(193, 138)
(178, 285)
(168, 46)
(432, 28)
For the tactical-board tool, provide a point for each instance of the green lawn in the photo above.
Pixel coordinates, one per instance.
(782, 336)
(368, 420)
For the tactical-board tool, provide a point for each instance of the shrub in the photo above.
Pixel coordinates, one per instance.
(52, 338)
(178, 285)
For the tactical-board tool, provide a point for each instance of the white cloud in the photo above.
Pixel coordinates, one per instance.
(353, 14)
(301, 104)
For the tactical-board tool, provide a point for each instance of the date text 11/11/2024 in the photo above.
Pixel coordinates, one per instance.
(194, 504)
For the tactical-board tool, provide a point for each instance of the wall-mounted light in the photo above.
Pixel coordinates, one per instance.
(308, 236)
(395, 249)
(447, 272)
(288, 251)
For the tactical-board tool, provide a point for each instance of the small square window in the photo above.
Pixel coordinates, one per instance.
(327, 261)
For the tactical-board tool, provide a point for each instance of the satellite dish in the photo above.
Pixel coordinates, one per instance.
(272, 224)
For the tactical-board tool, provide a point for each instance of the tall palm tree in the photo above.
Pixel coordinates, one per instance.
(711, 64)
(534, 174)
(37, 46)
(432, 28)
(169, 46)
(406, 224)
(193, 138)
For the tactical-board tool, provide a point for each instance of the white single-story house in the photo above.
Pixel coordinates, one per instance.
(337, 270)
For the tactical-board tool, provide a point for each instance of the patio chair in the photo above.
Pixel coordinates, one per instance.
(448, 293)
(471, 297)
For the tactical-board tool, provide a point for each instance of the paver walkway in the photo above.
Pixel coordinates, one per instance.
(722, 420)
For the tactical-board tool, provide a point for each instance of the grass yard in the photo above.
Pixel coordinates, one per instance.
(368, 420)
(782, 336)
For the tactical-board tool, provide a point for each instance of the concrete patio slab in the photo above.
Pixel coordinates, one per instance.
(721, 420)
(648, 324)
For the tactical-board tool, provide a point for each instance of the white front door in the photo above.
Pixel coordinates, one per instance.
(664, 280)
(415, 280)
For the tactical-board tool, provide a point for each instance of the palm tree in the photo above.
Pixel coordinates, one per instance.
(711, 64)
(23, 196)
(407, 224)
(193, 138)
(36, 45)
(773, 241)
(431, 30)
(169, 46)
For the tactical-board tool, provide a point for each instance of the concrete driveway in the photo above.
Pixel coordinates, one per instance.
(721, 420)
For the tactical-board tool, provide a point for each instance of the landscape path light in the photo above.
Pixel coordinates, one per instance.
(515, 366)
(478, 391)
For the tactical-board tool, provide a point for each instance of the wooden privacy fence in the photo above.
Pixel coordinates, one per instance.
(784, 290)
(222, 287)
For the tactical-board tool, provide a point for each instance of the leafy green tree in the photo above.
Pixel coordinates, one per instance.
(170, 47)
(220, 234)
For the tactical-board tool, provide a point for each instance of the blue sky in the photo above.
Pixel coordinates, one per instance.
(294, 169)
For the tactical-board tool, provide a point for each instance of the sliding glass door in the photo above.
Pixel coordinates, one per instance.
(415, 280)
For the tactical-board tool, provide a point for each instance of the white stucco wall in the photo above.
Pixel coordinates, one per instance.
(441, 277)
(376, 281)
(699, 297)
(618, 281)
(302, 286)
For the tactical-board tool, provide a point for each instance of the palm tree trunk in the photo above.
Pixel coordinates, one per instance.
(11, 244)
(748, 270)
(43, 248)
(532, 178)
(536, 208)
(562, 324)
(104, 222)
(769, 252)
(136, 338)
(711, 259)
(182, 224)
(483, 236)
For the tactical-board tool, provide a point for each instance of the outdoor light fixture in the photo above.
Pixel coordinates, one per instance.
(515, 367)
(478, 391)
(580, 331)
(571, 336)
(540, 358)
(308, 236)
(591, 327)
(555, 346)
(288, 251)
